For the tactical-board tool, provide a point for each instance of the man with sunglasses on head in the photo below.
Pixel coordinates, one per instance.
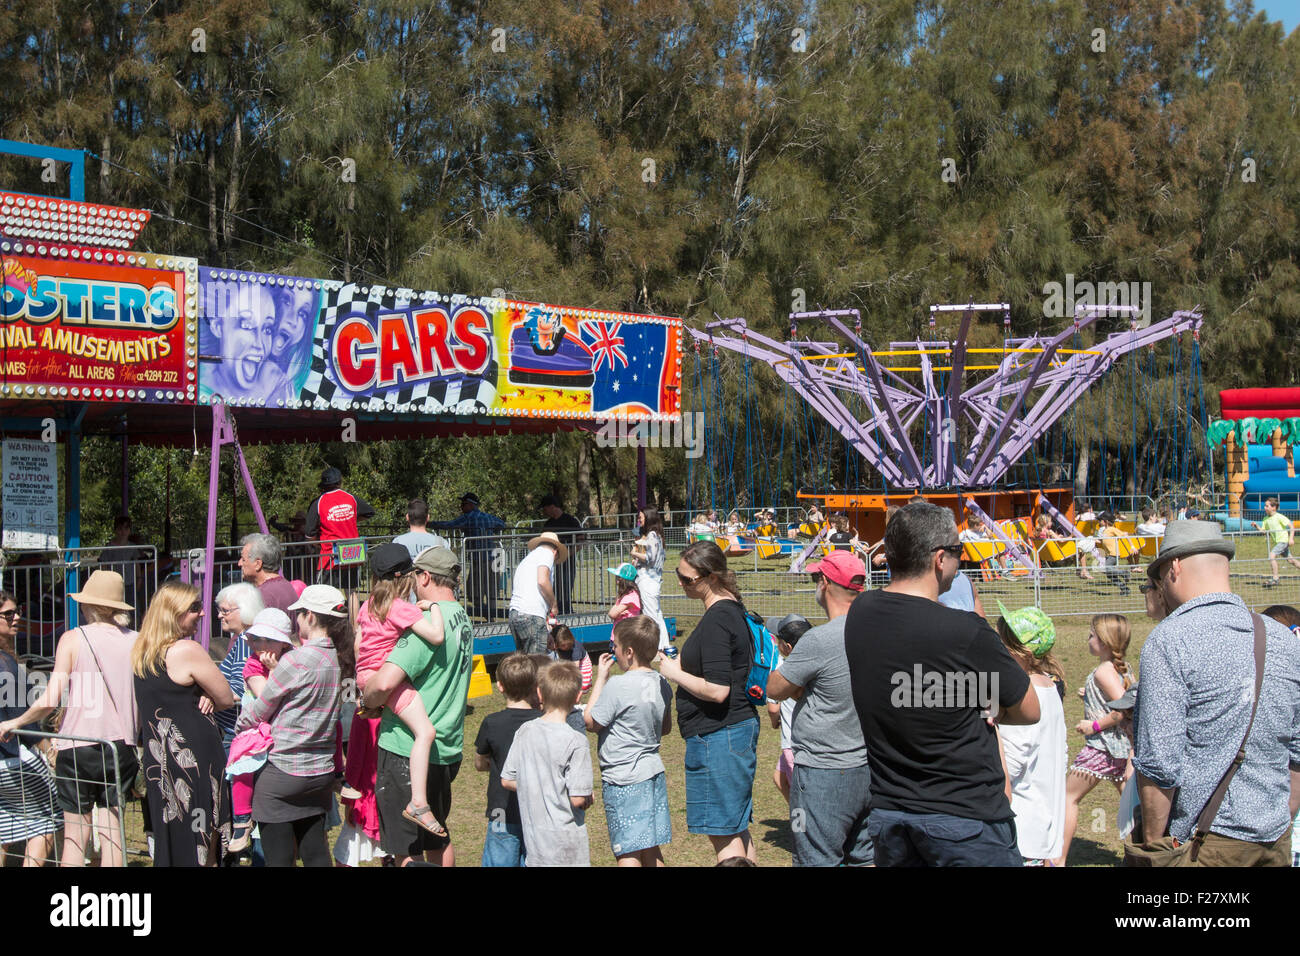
(927, 681)
(830, 788)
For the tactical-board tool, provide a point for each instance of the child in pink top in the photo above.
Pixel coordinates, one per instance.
(628, 603)
(269, 638)
(382, 619)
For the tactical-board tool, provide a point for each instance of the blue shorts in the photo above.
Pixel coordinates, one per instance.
(637, 815)
(720, 779)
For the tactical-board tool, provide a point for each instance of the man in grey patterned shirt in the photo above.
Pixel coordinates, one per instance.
(1193, 705)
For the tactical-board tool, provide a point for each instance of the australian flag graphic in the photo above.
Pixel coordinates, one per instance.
(629, 359)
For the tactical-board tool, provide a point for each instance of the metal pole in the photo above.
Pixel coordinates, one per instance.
(640, 475)
(72, 507)
(126, 474)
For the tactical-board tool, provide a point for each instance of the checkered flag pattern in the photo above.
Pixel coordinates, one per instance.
(457, 394)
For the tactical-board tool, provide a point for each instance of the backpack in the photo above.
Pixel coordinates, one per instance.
(762, 658)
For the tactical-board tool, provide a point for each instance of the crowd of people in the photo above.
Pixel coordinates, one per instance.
(913, 730)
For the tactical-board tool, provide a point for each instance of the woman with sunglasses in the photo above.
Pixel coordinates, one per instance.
(177, 688)
(714, 714)
(92, 681)
(237, 607)
(27, 811)
(300, 702)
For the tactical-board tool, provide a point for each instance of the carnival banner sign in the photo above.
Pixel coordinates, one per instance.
(288, 342)
(91, 331)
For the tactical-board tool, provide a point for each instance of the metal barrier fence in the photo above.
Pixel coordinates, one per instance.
(488, 565)
(42, 580)
(114, 832)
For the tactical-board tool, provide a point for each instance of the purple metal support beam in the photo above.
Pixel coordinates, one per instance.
(820, 372)
(796, 565)
(1060, 519)
(223, 433)
(1013, 548)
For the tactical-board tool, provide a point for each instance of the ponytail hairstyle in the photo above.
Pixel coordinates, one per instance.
(384, 590)
(1031, 664)
(339, 632)
(1113, 631)
(707, 558)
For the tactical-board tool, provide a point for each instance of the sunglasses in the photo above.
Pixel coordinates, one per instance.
(197, 608)
(12, 613)
(685, 580)
(1145, 588)
(952, 549)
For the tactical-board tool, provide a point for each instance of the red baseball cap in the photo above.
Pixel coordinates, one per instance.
(841, 567)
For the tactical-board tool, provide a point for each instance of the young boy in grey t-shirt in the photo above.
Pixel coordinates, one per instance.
(631, 713)
(549, 767)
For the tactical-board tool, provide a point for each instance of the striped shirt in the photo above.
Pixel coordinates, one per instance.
(301, 703)
(1193, 703)
(232, 669)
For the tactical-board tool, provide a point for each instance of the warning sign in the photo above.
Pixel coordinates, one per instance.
(29, 495)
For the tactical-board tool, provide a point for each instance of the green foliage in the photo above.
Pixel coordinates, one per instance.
(504, 145)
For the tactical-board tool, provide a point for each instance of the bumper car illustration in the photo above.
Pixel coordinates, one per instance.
(556, 360)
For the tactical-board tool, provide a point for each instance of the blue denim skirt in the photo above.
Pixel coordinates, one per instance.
(720, 779)
(637, 815)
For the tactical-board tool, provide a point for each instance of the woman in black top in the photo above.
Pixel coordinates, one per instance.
(715, 716)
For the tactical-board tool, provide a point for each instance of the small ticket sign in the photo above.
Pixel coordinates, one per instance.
(29, 495)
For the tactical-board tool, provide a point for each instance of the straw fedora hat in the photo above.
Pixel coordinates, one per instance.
(548, 537)
(104, 589)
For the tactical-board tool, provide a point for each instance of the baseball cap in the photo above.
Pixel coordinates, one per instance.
(321, 599)
(331, 476)
(470, 497)
(1126, 700)
(438, 560)
(1032, 628)
(784, 628)
(841, 567)
(272, 624)
(626, 571)
(390, 561)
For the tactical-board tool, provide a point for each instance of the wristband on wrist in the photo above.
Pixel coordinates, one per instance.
(1096, 727)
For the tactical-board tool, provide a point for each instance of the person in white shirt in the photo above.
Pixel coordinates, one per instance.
(1035, 755)
(532, 598)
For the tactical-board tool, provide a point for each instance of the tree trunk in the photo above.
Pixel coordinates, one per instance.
(210, 153)
(1081, 470)
(232, 190)
(584, 475)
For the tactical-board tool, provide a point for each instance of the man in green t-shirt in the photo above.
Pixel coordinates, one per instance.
(1281, 538)
(440, 674)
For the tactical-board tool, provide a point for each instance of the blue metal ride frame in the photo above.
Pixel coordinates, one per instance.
(74, 157)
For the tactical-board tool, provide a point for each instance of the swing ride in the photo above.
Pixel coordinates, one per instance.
(971, 428)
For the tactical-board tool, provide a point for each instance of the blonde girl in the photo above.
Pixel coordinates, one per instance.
(1106, 745)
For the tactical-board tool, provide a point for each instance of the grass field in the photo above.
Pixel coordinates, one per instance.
(768, 591)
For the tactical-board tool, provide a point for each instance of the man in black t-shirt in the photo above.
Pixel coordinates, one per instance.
(927, 682)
